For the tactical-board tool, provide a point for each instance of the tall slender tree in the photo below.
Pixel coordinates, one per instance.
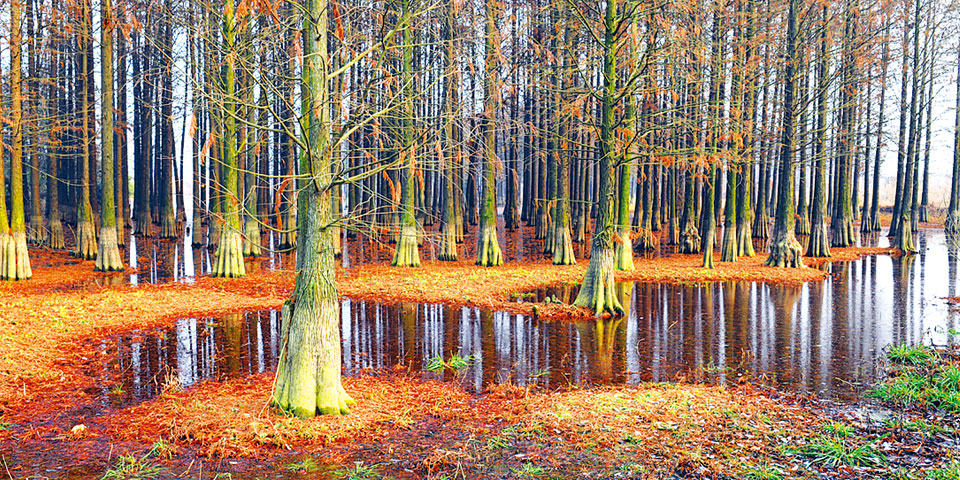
(108, 256)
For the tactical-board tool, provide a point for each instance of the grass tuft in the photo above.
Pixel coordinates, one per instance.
(835, 451)
(359, 471)
(131, 467)
(911, 354)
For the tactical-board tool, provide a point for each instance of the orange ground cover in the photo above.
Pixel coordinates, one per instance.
(654, 428)
(48, 375)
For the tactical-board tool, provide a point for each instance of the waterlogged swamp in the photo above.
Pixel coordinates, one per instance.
(822, 338)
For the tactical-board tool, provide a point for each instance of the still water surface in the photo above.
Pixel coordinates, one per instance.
(823, 338)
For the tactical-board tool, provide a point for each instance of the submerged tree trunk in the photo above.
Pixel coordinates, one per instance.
(308, 370)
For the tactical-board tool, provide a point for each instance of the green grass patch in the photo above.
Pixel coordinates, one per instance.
(307, 464)
(359, 471)
(131, 466)
(949, 472)
(834, 451)
(455, 363)
(911, 354)
(921, 377)
(764, 472)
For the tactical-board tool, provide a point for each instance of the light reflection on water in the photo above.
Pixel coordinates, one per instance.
(825, 338)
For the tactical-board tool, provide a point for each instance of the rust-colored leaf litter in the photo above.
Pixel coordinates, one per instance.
(54, 417)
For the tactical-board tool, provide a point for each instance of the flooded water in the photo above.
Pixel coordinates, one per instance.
(823, 338)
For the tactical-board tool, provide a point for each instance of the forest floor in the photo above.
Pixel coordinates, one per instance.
(57, 419)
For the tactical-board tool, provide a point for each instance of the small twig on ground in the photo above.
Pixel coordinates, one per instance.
(188, 470)
(4, 460)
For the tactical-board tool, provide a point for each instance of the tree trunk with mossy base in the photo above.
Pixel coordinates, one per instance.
(408, 251)
(448, 230)
(689, 235)
(168, 218)
(16, 263)
(86, 233)
(952, 223)
(229, 262)
(818, 245)
(841, 219)
(598, 290)
(108, 255)
(785, 250)
(903, 239)
(562, 239)
(308, 372)
(728, 247)
(708, 219)
(55, 240)
(488, 246)
(874, 223)
(624, 245)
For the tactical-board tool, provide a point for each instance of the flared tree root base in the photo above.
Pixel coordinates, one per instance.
(448, 243)
(407, 253)
(689, 240)
(108, 255)
(563, 247)
(785, 252)
(196, 233)
(144, 224)
(646, 241)
(488, 247)
(761, 227)
(35, 234)
(818, 245)
(168, 226)
(15, 261)
(729, 251)
(841, 233)
(229, 261)
(308, 371)
(251, 242)
(56, 240)
(599, 290)
(802, 226)
(745, 240)
(86, 241)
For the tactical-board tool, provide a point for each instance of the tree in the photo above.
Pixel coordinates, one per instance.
(15, 262)
(784, 247)
(308, 370)
(952, 223)
(407, 253)
(108, 256)
(86, 234)
(904, 233)
(488, 247)
(229, 261)
(598, 290)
